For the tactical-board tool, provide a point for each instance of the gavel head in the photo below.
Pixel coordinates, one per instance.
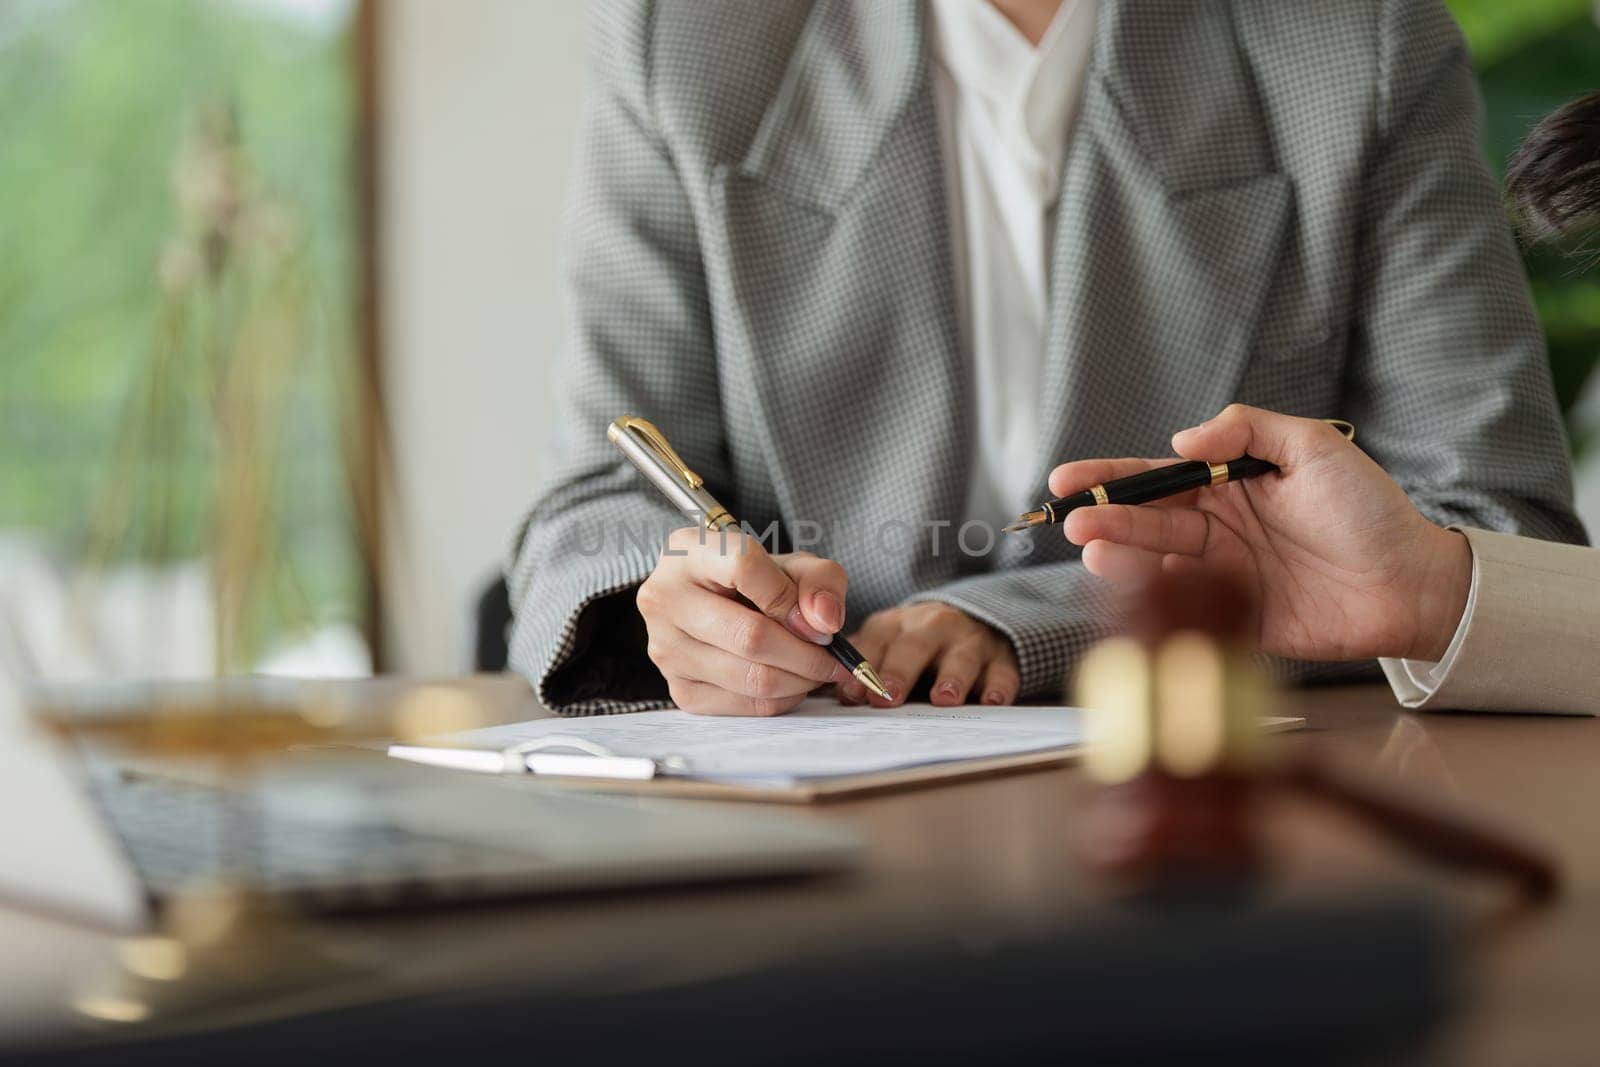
(1173, 724)
(1179, 694)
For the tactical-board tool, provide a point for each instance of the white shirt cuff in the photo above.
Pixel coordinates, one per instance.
(1415, 680)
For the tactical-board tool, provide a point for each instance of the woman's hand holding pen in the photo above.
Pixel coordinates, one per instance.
(738, 631)
(1342, 563)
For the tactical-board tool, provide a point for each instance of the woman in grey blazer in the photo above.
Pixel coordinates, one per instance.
(1280, 204)
(1345, 566)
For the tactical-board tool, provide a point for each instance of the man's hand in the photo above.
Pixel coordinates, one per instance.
(965, 656)
(737, 631)
(1342, 564)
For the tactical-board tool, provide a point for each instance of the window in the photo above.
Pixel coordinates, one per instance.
(180, 401)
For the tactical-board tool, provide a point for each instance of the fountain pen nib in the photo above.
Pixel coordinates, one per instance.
(1026, 522)
(869, 678)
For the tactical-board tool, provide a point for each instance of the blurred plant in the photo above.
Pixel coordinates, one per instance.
(180, 293)
(200, 439)
(1496, 30)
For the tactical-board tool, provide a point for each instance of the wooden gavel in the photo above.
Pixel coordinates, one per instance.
(1177, 742)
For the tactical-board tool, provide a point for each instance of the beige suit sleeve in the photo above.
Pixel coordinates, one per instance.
(1530, 639)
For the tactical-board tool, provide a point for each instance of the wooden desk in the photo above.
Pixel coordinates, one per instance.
(999, 850)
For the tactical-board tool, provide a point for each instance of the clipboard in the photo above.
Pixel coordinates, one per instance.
(577, 763)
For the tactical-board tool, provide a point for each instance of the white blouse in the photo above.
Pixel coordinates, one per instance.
(1006, 111)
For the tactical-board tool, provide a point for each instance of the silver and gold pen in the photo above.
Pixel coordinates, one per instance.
(647, 449)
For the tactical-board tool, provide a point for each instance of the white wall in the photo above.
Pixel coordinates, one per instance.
(478, 121)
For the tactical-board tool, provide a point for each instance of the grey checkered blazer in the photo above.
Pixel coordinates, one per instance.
(1277, 203)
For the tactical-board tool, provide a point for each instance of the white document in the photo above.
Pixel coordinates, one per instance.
(819, 739)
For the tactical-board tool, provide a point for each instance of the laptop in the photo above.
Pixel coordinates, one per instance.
(348, 830)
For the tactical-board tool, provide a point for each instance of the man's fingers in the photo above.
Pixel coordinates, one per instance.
(1079, 475)
(822, 585)
(1182, 565)
(730, 626)
(958, 670)
(1162, 530)
(1229, 433)
(1120, 564)
(1238, 429)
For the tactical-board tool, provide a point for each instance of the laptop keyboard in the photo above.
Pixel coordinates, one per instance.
(181, 834)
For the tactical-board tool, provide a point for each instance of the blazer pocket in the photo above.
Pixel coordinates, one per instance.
(1301, 375)
(1295, 346)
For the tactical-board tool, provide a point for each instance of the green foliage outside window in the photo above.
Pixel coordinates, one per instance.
(176, 194)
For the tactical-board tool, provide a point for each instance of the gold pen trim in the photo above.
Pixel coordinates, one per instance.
(1099, 494)
(869, 678)
(657, 443)
(1343, 426)
(1219, 473)
(1028, 520)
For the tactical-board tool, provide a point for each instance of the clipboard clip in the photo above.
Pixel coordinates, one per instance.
(574, 757)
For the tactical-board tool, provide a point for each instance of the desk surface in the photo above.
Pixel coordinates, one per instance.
(1000, 849)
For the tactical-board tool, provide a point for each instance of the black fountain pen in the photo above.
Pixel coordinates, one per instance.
(1144, 487)
(658, 461)
(1156, 484)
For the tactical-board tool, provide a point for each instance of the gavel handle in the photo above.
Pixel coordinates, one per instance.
(1446, 839)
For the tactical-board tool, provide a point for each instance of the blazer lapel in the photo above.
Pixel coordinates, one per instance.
(1170, 222)
(832, 280)
(833, 291)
